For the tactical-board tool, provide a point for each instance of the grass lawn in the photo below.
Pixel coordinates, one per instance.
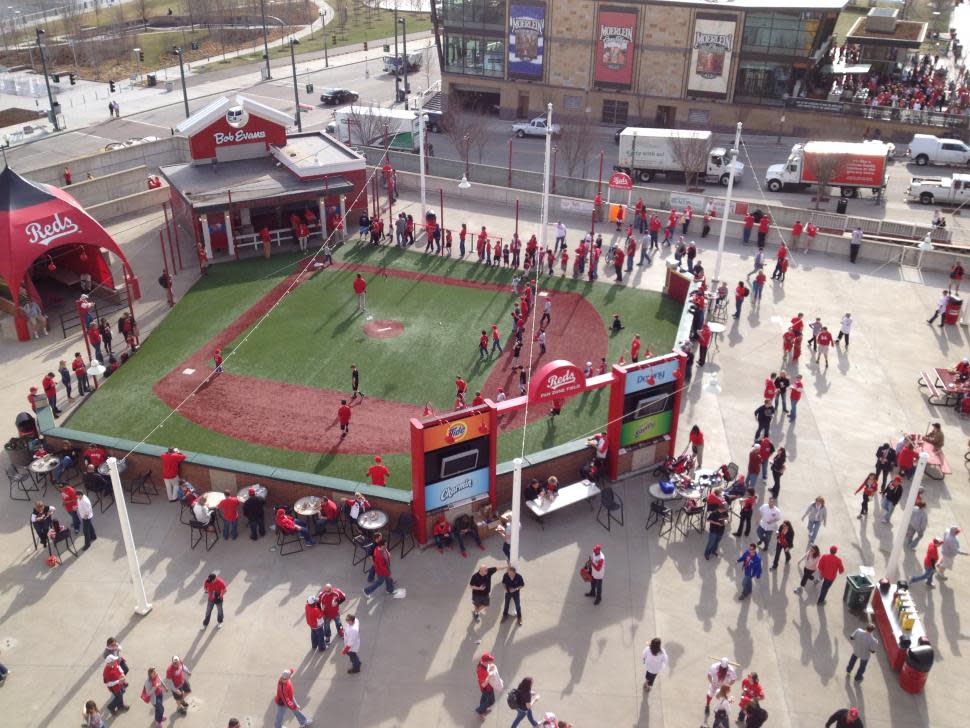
(356, 30)
(283, 351)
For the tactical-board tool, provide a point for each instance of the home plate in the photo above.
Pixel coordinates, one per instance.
(188, 371)
(317, 265)
(400, 593)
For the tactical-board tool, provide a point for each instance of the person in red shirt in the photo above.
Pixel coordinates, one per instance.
(704, 337)
(811, 231)
(360, 288)
(764, 226)
(829, 567)
(631, 251)
(770, 389)
(483, 346)
(929, 563)
(748, 503)
(215, 589)
(906, 459)
(291, 525)
(787, 344)
(796, 233)
(781, 256)
(114, 680)
(175, 676)
(441, 530)
(748, 227)
(69, 497)
(460, 386)
(171, 460)
(740, 293)
(81, 372)
(823, 341)
(697, 445)
(869, 487)
(382, 570)
(95, 455)
(343, 416)
(50, 390)
(229, 507)
(618, 265)
(314, 620)
(378, 472)
(265, 238)
(330, 599)
(795, 394)
(635, 348)
(478, 399)
(285, 700)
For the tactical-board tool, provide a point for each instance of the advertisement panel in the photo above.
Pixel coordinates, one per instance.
(460, 488)
(527, 24)
(852, 169)
(465, 429)
(661, 374)
(647, 428)
(616, 31)
(711, 49)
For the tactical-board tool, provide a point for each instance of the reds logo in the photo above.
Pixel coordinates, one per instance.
(45, 234)
(554, 383)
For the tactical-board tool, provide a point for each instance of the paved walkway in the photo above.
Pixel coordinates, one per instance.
(419, 653)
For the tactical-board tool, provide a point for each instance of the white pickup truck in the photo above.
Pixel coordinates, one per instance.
(953, 190)
(536, 127)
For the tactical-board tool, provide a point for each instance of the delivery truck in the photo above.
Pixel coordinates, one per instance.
(850, 166)
(374, 126)
(645, 153)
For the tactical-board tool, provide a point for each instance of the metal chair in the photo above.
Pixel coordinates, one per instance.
(103, 495)
(609, 502)
(288, 538)
(403, 530)
(199, 530)
(363, 548)
(20, 482)
(660, 514)
(185, 512)
(333, 535)
(691, 516)
(142, 486)
(65, 538)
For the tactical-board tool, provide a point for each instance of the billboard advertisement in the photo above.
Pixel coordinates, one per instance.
(616, 31)
(850, 169)
(645, 429)
(464, 487)
(527, 24)
(712, 46)
(456, 431)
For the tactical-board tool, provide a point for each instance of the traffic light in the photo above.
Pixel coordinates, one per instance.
(141, 56)
(195, 46)
(56, 77)
(111, 86)
(387, 48)
(73, 78)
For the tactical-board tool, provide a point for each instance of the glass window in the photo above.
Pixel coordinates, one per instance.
(615, 112)
(572, 103)
(779, 33)
(474, 13)
(474, 55)
(763, 80)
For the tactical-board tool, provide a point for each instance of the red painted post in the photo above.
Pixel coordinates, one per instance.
(599, 185)
(417, 481)
(510, 165)
(168, 289)
(84, 333)
(173, 231)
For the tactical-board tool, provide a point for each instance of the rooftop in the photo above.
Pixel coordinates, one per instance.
(907, 34)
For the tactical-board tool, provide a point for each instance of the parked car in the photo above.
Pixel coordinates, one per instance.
(335, 96)
(536, 127)
(928, 149)
(130, 143)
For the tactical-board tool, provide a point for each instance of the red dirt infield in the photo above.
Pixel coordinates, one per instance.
(383, 329)
(304, 419)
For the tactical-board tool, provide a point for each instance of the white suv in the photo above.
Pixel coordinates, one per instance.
(928, 149)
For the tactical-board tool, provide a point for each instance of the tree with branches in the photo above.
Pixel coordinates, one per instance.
(367, 126)
(824, 168)
(458, 124)
(576, 141)
(691, 152)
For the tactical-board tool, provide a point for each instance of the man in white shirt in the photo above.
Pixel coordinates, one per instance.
(200, 513)
(352, 642)
(86, 513)
(845, 327)
(597, 567)
(560, 236)
(770, 520)
(941, 309)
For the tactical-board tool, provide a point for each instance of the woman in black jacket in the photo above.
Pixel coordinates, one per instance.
(784, 541)
(754, 715)
(525, 698)
(777, 468)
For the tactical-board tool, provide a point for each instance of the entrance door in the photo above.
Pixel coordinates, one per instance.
(217, 233)
(666, 116)
(522, 110)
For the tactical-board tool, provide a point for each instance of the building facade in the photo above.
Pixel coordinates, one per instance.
(631, 61)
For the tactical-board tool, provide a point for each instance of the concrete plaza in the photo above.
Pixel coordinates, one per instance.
(419, 653)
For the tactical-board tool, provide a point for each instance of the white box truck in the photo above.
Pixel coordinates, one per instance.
(645, 153)
(374, 126)
(849, 166)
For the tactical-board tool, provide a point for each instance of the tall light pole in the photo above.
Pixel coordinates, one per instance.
(544, 217)
(727, 204)
(892, 564)
(323, 32)
(262, 10)
(422, 131)
(397, 75)
(404, 52)
(47, 80)
(185, 91)
(142, 605)
(296, 90)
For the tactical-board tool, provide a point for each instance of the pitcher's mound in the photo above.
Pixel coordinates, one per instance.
(383, 329)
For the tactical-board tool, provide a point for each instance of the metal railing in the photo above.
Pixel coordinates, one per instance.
(922, 117)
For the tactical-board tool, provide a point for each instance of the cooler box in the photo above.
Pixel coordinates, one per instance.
(858, 591)
(953, 310)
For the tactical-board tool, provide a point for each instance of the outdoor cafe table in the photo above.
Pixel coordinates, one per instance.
(373, 520)
(43, 467)
(212, 499)
(243, 493)
(309, 508)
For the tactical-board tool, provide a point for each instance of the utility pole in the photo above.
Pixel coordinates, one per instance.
(323, 31)
(185, 91)
(296, 90)
(404, 51)
(262, 10)
(47, 80)
(397, 76)
(733, 154)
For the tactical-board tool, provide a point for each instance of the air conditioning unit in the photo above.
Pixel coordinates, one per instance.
(882, 20)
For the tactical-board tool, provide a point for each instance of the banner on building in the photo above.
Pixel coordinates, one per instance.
(527, 25)
(712, 46)
(616, 31)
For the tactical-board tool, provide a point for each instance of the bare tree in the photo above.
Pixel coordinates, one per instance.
(824, 168)
(143, 12)
(71, 12)
(576, 141)
(460, 124)
(367, 126)
(691, 152)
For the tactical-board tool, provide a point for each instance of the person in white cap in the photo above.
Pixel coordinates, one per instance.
(720, 673)
(549, 721)
(176, 678)
(285, 701)
(597, 567)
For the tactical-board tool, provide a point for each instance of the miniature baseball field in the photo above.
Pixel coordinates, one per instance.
(289, 334)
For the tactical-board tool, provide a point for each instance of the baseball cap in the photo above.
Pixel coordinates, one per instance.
(311, 600)
(725, 662)
(597, 548)
(834, 550)
(853, 714)
(175, 658)
(286, 673)
(252, 491)
(487, 657)
(377, 458)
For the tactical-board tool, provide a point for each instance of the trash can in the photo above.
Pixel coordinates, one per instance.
(953, 310)
(858, 590)
(152, 79)
(842, 205)
(916, 668)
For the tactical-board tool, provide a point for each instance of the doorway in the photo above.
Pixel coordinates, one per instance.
(522, 108)
(666, 116)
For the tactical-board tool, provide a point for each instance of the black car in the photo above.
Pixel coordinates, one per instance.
(334, 96)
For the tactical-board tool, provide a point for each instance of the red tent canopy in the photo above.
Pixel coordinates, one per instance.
(35, 220)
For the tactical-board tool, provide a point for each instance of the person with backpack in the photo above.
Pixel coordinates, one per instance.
(754, 715)
(521, 699)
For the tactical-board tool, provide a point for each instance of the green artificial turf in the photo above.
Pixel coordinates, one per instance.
(309, 339)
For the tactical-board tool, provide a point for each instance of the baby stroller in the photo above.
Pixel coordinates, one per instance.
(683, 463)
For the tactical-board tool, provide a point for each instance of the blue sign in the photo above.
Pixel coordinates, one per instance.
(661, 373)
(527, 25)
(460, 488)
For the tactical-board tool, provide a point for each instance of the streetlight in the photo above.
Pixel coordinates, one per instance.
(467, 139)
(296, 91)
(404, 52)
(47, 81)
(323, 32)
(544, 216)
(422, 131)
(397, 75)
(262, 10)
(555, 156)
(185, 91)
(733, 154)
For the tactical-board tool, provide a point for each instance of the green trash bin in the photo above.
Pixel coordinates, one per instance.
(858, 590)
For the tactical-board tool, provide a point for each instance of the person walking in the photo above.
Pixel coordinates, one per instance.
(784, 541)
(817, 516)
(764, 415)
(918, 521)
(949, 551)
(844, 718)
(740, 293)
(720, 674)
(285, 701)
(697, 445)
(489, 682)
(382, 570)
(855, 242)
(829, 567)
(597, 568)
(885, 462)
(864, 644)
(891, 497)
(721, 705)
(751, 689)
(114, 680)
(795, 396)
(778, 464)
(343, 417)
(355, 389)
(869, 487)
(481, 584)
(176, 677)
(809, 565)
(215, 589)
(524, 698)
(654, 661)
(513, 583)
(930, 561)
(750, 561)
(154, 694)
(747, 509)
(314, 620)
(754, 715)
(782, 383)
(85, 512)
(940, 309)
(845, 328)
(770, 520)
(352, 643)
(716, 523)
(754, 466)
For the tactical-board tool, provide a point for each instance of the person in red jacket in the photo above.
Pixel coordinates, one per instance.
(215, 589)
(50, 391)
(360, 288)
(764, 226)
(330, 600)
(178, 683)
(929, 563)
(95, 455)
(171, 460)
(697, 445)
(796, 234)
(460, 386)
(704, 337)
(286, 524)
(823, 341)
(748, 227)
(906, 459)
(285, 701)
(770, 389)
(314, 620)
(378, 472)
(618, 265)
(829, 567)
(441, 530)
(795, 395)
(69, 497)
(382, 570)
(114, 680)
(343, 416)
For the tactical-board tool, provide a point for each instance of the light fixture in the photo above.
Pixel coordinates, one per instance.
(464, 184)
(83, 256)
(50, 265)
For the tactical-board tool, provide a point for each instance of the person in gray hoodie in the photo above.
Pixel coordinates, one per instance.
(917, 525)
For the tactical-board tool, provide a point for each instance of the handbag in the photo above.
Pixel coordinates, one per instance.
(586, 571)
